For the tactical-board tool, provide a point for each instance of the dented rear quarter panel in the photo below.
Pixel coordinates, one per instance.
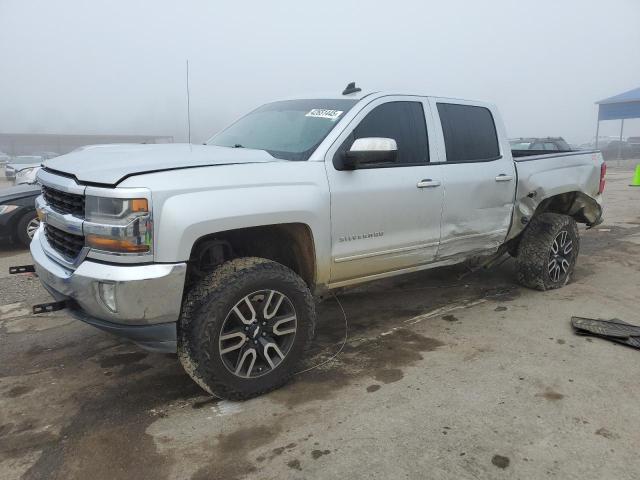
(544, 176)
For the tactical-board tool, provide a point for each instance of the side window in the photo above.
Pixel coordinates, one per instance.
(550, 146)
(469, 133)
(537, 146)
(402, 121)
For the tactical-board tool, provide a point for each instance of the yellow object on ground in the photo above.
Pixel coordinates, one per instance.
(636, 177)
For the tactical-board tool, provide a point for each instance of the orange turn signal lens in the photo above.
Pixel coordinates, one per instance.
(139, 205)
(114, 245)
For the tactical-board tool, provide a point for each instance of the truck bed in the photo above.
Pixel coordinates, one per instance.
(543, 176)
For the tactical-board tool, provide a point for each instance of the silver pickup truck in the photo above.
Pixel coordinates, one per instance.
(216, 251)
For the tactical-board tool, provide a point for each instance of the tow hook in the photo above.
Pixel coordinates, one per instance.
(42, 307)
(22, 269)
(49, 307)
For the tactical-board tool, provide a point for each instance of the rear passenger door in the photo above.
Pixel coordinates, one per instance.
(479, 179)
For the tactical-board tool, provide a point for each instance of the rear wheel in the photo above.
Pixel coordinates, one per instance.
(548, 251)
(245, 327)
(26, 228)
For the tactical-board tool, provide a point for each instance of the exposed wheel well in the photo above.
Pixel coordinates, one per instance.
(581, 207)
(578, 205)
(290, 244)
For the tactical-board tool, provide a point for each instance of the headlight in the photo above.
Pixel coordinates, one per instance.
(26, 171)
(118, 225)
(7, 208)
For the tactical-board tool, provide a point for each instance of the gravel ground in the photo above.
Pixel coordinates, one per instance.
(440, 378)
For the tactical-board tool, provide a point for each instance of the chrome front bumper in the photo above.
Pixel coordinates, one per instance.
(145, 295)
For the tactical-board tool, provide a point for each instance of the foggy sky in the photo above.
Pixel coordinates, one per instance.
(118, 67)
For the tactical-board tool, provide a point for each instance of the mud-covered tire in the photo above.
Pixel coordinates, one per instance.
(535, 251)
(209, 303)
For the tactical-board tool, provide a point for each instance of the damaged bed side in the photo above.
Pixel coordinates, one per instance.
(570, 183)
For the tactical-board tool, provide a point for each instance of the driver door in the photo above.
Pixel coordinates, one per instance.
(385, 217)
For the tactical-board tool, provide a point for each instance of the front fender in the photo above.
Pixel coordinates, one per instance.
(187, 217)
(189, 204)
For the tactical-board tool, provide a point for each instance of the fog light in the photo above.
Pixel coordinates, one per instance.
(107, 293)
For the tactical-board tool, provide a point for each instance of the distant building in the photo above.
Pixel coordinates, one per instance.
(30, 143)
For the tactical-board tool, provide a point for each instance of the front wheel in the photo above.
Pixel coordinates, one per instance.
(245, 327)
(548, 251)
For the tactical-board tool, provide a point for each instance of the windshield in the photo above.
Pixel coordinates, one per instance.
(289, 130)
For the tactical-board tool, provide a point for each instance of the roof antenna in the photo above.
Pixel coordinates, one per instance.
(351, 88)
(188, 106)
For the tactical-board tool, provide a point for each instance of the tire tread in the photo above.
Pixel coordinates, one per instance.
(533, 250)
(193, 350)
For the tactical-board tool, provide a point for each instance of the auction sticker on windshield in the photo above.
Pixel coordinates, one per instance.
(323, 113)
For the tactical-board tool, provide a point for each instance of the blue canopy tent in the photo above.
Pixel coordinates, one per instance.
(619, 107)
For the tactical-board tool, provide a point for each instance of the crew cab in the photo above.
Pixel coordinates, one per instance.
(218, 251)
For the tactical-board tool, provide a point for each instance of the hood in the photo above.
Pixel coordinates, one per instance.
(20, 191)
(110, 164)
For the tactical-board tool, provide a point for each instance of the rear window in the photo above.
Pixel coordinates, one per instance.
(469, 133)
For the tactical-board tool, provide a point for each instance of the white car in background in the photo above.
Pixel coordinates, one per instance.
(4, 159)
(26, 162)
(20, 163)
(26, 175)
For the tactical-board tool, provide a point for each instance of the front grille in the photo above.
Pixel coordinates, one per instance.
(65, 243)
(63, 202)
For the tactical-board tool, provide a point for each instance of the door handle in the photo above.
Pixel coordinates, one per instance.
(503, 177)
(428, 183)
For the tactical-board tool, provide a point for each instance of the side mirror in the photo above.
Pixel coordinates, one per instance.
(370, 150)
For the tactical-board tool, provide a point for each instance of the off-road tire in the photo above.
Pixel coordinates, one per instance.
(20, 235)
(534, 250)
(205, 309)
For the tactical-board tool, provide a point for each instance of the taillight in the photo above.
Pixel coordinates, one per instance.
(603, 173)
